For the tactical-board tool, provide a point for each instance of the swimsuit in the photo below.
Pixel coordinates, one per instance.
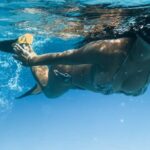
(136, 92)
(109, 87)
(66, 77)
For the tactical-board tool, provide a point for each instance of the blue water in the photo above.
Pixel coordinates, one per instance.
(79, 120)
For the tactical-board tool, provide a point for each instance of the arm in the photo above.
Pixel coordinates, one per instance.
(69, 57)
(99, 52)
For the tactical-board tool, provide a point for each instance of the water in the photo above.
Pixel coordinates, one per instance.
(52, 22)
(58, 25)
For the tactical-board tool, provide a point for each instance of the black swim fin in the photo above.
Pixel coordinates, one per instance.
(33, 91)
(6, 46)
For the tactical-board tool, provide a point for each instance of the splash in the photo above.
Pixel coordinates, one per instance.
(10, 86)
(13, 82)
(15, 79)
(5, 104)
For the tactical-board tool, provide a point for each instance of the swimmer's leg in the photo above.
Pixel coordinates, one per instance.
(52, 81)
(49, 81)
(6, 46)
(52, 85)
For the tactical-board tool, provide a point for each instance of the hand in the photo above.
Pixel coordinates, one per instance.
(24, 53)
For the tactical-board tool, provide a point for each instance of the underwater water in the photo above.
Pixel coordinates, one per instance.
(78, 120)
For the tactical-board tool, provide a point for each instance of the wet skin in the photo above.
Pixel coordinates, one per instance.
(104, 66)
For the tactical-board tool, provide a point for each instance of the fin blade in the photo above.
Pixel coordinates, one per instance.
(33, 91)
(6, 46)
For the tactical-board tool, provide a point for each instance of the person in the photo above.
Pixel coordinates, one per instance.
(103, 66)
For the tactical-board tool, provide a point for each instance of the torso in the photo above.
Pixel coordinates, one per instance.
(126, 74)
(130, 77)
(133, 77)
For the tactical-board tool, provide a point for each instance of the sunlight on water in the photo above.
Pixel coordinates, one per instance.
(118, 2)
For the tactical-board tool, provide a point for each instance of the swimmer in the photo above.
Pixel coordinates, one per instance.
(103, 66)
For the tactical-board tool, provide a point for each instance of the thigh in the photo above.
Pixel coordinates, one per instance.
(40, 74)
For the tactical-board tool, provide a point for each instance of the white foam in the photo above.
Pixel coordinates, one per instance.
(13, 82)
(5, 104)
(10, 76)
